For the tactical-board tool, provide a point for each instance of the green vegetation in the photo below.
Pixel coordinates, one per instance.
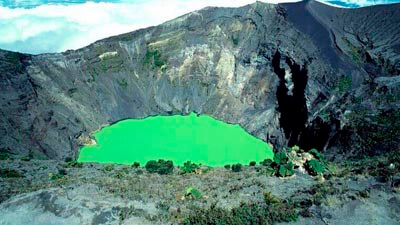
(189, 167)
(344, 84)
(4, 154)
(286, 170)
(373, 131)
(270, 199)
(283, 163)
(161, 166)
(123, 83)
(363, 194)
(227, 166)
(68, 159)
(252, 163)
(136, 165)
(266, 162)
(271, 211)
(314, 167)
(59, 175)
(108, 168)
(270, 171)
(194, 193)
(198, 138)
(280, 158)
(26, 158)
(121, 173)
(235, 40)
(237, 167)
(72, 91)
(295, 148)
(55, 176)
(318, 165)
(62, 171)
(73, 164)
(383, 167)
(280, 166)
(316, 154)
(10, 173)
(154, 57)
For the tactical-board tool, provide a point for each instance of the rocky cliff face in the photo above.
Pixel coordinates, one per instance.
(301, 73)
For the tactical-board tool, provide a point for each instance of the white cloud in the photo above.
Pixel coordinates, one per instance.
(358, 3)
(56, 28)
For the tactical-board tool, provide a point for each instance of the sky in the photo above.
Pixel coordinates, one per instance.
(48, 26)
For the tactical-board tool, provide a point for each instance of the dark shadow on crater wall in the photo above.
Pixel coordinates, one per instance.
(293, 108)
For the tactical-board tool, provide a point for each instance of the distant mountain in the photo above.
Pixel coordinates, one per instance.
(292, 74)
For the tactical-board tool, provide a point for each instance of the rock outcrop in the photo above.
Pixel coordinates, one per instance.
(300, 73)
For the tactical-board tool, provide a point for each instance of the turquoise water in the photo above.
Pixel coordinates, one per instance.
(200, 139)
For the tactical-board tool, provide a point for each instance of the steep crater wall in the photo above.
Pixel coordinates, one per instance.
(250, 65)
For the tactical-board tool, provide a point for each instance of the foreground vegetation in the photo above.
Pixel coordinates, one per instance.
(295, 184)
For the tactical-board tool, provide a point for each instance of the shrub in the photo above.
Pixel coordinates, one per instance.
(296, 148)
(344, 84)
(73, 164)
(108, 168)
(62, 172)
(26, 158)
(136, 165)
(237, 167)
(194, 193)
(227, 166)
(286, 170)
(270, 199)
(252, 163)
(161, 166)
(10, 173)
(314, 167)
(271, 211)
(153, 56)
(4, 154)
(316, 154)
(270, 171)
(189, 167)
(68, 159)
(55, 176)
(281, 166)
(280, 157)
(266, 162)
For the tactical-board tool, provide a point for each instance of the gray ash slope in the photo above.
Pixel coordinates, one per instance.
(300, 73)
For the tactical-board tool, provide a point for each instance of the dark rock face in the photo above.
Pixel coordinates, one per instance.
(301, 73)
(292, 107)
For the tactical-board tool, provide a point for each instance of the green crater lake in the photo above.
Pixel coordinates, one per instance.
(198, 138)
